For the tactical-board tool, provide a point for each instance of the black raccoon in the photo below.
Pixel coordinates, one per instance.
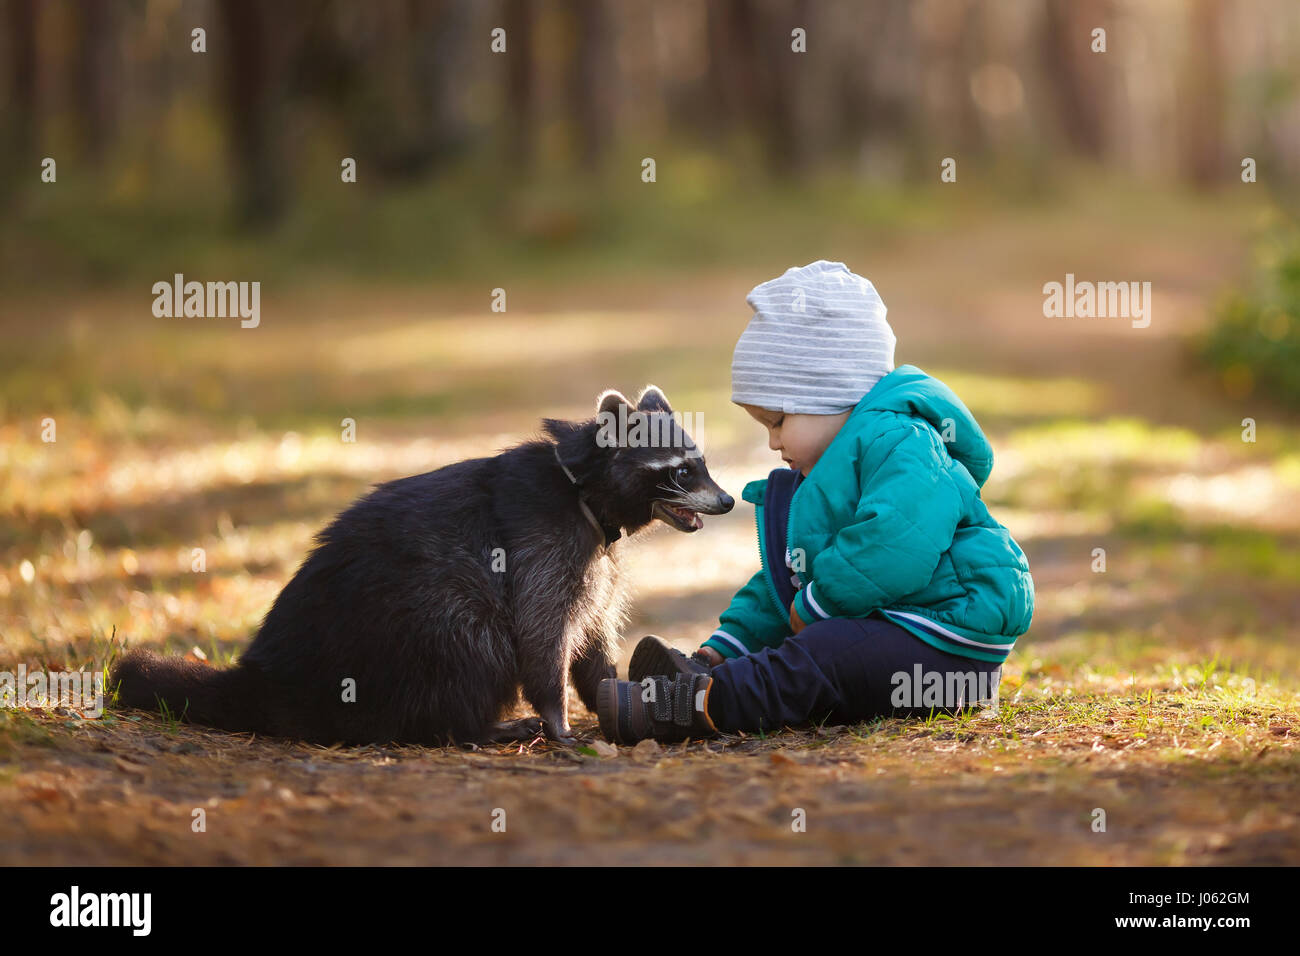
(440, 595)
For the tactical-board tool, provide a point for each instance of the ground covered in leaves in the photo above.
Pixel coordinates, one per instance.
(1207, 782)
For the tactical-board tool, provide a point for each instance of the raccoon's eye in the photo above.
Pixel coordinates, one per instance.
(683, 473)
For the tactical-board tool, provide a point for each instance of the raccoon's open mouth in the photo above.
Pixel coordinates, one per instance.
(683, 519)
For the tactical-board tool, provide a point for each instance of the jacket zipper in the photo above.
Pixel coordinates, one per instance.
(762, 558)
(789, 541)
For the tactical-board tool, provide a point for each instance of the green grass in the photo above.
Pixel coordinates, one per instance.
(473, 222)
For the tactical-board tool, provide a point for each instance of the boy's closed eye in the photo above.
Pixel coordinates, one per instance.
(764, 416)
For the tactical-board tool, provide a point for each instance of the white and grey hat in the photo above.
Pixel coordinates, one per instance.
(817, 343)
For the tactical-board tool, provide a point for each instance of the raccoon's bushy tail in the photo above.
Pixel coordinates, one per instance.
(189, 689)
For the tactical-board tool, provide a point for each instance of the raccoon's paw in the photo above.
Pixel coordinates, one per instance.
(514, 731)
(560, 733)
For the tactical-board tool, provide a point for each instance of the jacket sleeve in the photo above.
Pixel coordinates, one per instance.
(908, 511)
(751, 622)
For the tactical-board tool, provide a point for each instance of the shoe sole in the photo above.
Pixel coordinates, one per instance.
(653, 658)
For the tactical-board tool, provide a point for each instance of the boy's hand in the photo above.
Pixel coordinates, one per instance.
(796, 623)
(711, 656)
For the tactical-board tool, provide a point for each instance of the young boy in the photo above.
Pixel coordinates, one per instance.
(885, 587)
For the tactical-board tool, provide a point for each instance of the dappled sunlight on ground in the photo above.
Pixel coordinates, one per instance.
(477, 341)
(83, 474)
(1260, 496)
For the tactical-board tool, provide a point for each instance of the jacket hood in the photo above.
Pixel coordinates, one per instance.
(909, 391)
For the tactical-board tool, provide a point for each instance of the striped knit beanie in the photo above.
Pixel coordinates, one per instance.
(817, 343)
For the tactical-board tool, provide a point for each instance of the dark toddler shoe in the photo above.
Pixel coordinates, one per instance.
(667, 709)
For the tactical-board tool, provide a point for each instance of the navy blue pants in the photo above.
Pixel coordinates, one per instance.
(842, 671)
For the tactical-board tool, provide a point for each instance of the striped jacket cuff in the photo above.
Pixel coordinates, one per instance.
(808, 607)
(728, 645)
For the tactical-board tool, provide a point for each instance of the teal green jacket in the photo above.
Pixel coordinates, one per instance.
(890, 519)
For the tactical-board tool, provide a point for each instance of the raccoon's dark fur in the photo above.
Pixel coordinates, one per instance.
(407, 595)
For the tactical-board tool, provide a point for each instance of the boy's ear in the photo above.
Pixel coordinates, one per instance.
(610, 400)
(652, 399)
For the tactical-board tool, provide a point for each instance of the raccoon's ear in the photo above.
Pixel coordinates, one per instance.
(610, 400)
(559, 429)
(652, 399)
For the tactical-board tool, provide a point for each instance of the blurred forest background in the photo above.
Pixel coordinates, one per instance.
(164, 152)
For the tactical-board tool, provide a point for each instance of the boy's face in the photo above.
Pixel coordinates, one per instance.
(800, 439)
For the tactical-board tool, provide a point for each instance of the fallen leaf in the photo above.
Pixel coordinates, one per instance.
(647, 748)
(127, 767)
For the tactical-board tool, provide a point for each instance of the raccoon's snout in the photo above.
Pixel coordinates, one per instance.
(714, 501)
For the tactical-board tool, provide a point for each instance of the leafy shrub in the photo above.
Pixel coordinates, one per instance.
(1255, 339)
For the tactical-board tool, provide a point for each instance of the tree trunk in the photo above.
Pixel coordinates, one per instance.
(521, 101)
(21, 119)
(1075, 72)
(249, 93)
(98, 74)
(591, 87)
(1203, 110)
